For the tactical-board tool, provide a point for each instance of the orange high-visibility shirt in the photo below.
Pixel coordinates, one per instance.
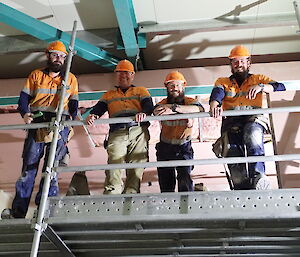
(125, 104)
(235, 96)
(45, 91)
(176, 131)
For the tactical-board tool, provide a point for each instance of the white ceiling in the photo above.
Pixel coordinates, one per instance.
(180, 33)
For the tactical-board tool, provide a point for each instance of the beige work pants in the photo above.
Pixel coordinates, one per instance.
(128, 145)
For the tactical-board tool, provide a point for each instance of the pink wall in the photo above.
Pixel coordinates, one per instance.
(82, 153)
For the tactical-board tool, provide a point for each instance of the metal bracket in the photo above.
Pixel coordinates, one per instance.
(72, 51)
(54, 238)
(38, 227)
(139, 227)
(64, 84)
(47, 170)
(52, 173)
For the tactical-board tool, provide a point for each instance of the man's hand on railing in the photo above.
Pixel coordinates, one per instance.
(215, 110)
(139, 117)
(91, 119)
(28, 117)
(164, 109)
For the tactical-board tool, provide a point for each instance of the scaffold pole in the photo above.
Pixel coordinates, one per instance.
(39, 226)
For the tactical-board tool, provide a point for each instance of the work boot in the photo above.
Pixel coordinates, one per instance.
(7, 214)
(261, 182)
(200, 187)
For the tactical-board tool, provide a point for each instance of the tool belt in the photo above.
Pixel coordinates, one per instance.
(45, 135)
(48, 117)
(221, 146)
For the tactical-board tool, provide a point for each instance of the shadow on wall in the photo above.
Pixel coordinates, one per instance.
(170, 47)
(9, 138)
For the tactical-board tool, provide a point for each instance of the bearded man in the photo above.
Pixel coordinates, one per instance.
(243, 91)
(38, 102)
(175, 137)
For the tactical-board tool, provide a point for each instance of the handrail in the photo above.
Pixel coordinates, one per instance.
(159, 118)
(175, 163)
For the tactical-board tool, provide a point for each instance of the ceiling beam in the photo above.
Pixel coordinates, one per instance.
(128, 26)
(102, 38)
(221, 24)
(43, 31)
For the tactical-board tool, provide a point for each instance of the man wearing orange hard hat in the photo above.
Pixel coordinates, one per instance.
(243, 134)
(175, 137)
(128, 141)
(38, 102)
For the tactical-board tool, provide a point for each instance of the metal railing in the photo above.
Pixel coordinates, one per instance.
(152, 118)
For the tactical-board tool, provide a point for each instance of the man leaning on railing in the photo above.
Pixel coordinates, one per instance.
(127, 142)
(175, 137)
(243, 134)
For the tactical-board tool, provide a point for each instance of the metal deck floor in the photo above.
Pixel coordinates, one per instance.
(231, 223)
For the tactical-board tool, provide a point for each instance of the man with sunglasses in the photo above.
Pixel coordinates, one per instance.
(244, 134)
(175, 137)
(38, 102)
(127, 142)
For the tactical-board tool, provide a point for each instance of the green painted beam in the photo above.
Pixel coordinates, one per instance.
(291, 85)
(43, 31)
(83, 96)
(128, 26)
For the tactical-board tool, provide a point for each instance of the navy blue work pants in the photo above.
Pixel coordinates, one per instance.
(33, 152)
(246, 141)
(166, 175)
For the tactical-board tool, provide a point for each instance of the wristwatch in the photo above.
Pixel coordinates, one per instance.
(173, 107)
(262, 87)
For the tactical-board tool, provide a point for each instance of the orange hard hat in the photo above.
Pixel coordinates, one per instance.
(125, 65)
(239, 51)
(57, 46)
(175, 76)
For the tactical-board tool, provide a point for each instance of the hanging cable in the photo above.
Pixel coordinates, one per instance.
(254, 34)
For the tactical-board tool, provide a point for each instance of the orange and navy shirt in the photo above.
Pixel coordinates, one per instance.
(41, 93)
(233, 97)
(176, 132)
(125, 103)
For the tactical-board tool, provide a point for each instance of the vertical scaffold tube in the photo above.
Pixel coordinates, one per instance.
(274, 143)
(50, 164)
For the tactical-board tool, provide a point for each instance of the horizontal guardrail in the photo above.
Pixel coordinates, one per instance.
(159, 118)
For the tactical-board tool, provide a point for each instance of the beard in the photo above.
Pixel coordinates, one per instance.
(171, 99)
(240, 76)
(55, 66)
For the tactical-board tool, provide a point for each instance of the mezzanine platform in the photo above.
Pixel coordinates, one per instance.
(231, 223)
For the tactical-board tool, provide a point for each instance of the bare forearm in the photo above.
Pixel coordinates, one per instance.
(268, 88)
(189, 108)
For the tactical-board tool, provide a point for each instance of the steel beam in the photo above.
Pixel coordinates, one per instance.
(154, 92)
(128, 26)
(58, 242)
(43, 31)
